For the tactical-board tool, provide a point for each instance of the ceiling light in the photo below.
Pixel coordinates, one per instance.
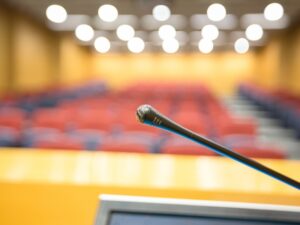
(136, 45)
(170, 45)
(161, 12)
(166, 32)
(205, 46)
(125, 32)
(216, 12)
(84, 32)
(210, 32)
(56, 13)
(254, 32)
(102, 44)
(241, 45)
(108, 13)
(273, 11)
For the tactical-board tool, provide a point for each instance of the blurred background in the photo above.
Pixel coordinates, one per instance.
(73, 73)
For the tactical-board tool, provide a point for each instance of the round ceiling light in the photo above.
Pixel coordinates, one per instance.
(136, 45)
(205, 46)
(84, 32)
(125, 32)
(102, 44)
(210, 32)
(216, 12)
(161, 12)
(273, 11)
(56, 13)
(170, 45)
(241, 45)
(254, 32)
(108, 13)
(166, 32)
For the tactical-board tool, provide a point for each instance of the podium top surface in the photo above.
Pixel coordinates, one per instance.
(62, 187)
(146, 171)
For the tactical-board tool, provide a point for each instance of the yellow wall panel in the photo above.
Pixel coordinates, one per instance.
(294, 79)
(74, 61)
(269, 66)
(220, 71)
(278, 63)
(5, 46)
(34, 56)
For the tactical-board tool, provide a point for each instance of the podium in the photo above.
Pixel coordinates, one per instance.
(129, 210)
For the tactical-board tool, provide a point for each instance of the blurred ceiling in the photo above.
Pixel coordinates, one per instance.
(188, 17)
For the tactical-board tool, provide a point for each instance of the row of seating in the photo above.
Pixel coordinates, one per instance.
(52, 96)
(140, 142)
(108, 122)
(279, 104)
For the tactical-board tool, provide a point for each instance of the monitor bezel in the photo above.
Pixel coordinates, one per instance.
(184, 207)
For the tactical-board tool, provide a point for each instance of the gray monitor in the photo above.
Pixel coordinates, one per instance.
(129, 210)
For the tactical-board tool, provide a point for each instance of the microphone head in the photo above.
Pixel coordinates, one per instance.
(147, 114)
(143, 112)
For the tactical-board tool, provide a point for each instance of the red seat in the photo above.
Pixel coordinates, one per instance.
(138, 127)
(261, 152)
(194, 121)
(51, 118)
(14, 118)
(239, 140)
(236, 126)
(187, 150)
(124, 147)
(63, 143)
(181, 146)
(9, 136)
(96, 124)
(95, 119)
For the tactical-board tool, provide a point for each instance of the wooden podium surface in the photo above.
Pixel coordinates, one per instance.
(62, 187)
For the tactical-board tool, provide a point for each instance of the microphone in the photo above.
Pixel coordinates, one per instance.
(148, 115)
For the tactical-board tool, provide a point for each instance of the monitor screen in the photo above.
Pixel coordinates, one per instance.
(121, 218)
(129, 210)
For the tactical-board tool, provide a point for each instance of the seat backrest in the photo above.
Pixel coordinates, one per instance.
(124, 147)
(262, 153)
(63, 143)
(12, 117)
(182, 146)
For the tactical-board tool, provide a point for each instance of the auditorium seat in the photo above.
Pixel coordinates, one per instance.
(33, 134)
(63, 142)
(90, 137)
(94, 119)
(142, 142)
(280, 105)
(194, 121)
(138, 127)
(124, 147)
(133, 137)
(187, 149)
(234, 140)
(268, 153)
(236, 126)
(181, 146)
(51, 118)
(12, 117)
(9, 136)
